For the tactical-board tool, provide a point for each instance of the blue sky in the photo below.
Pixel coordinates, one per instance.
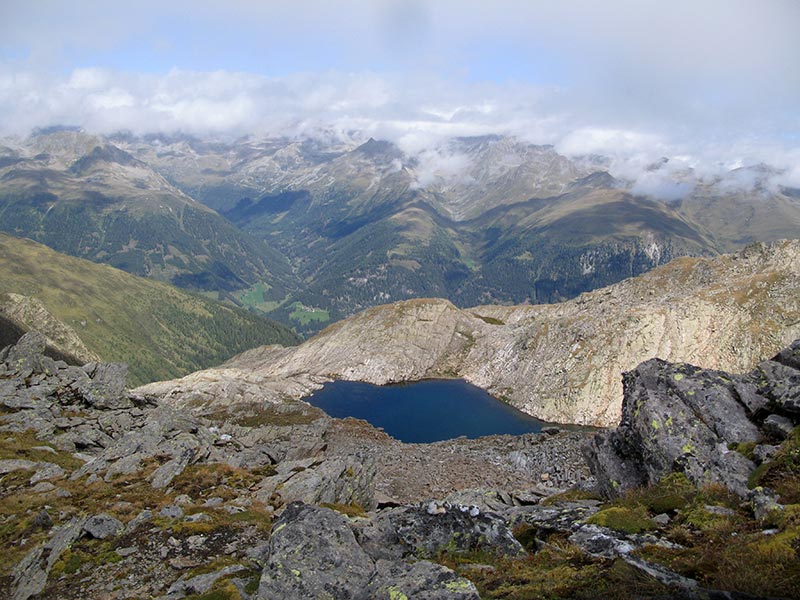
(704, 81)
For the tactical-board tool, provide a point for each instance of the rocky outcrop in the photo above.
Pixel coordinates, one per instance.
(680, 418)
(28, 313)
(560, 363)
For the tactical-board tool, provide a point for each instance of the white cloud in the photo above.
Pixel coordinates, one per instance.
(438, 165)
(714, 82)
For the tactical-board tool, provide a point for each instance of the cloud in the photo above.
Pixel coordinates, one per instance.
(439, 165)
(714, 84)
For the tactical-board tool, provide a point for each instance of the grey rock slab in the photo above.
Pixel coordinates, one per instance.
(662, 520)
(486, 500)
(102, 526)
(46, 471)
(171, 512)
(18, 399)
(763, 501)
(764, 452)
(16, 464)
(669, 578)
(421, 580)
(747, 392)
(106, 388)
(781, 384)
(601, 541)
(377, 536)
(42, 520)
(30, 575)
(164, 474)
(342, 480)
(197, 518)
(560, 517)
(789, 356)
(27, 351)
(312, 553)
(43, 487)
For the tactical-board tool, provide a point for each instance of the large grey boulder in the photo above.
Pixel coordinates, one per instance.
(421, 580)
(313, 553)
(27, 355)
(337, 480)
(681, 418)
(780, 384)
(107, 386)
(102, 526)
(675, 418)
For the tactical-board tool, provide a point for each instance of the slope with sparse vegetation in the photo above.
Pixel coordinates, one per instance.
(160, 331)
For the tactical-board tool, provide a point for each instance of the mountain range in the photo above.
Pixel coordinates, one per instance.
(310, 231)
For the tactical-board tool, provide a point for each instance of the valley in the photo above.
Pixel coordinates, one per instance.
(96, 312)
(310, 231)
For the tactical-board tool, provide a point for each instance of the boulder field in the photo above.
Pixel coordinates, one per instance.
(108, 493)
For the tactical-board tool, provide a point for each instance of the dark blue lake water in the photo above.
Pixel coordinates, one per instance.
(424, 411)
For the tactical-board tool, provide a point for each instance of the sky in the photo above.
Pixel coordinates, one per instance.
(711, 84)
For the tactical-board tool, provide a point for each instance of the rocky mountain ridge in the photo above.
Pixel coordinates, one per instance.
(110, 494)
(560, 362)
(24, 313)
(481, 220)
(315, 230)
(82, 195)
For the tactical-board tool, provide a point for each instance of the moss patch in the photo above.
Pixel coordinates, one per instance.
(628, 520)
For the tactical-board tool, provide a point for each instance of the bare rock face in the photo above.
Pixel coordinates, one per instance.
(561, 362)
(680, 418)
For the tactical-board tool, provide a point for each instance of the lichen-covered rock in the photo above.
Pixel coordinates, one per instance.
(426, 530)
(680, 418)
(780, 384)
(314, 554)
(421, 580)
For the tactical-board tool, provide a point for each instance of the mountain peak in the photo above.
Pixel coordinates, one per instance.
(373, 148)
(104, 154)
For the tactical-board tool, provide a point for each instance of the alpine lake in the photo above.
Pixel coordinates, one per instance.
(424, 411)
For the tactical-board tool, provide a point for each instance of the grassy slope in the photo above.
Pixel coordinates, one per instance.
(160, 331)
